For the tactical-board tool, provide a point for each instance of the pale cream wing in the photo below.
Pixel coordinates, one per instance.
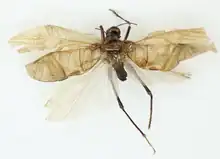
(51, 37)
(59, 65)
(164, 50)
(178, 36)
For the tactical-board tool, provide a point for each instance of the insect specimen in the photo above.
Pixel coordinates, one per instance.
(74, 53)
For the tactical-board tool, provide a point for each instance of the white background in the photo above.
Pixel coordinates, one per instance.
(186, 114)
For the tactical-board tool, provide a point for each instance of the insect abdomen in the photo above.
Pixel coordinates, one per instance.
(120, 71)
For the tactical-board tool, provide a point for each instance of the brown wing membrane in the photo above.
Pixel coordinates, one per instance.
(57, 66)
(164, 50)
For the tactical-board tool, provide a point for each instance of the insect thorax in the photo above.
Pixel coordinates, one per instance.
(113, 52)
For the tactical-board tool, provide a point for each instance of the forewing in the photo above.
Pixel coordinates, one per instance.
(60, 65)
(51, 37)
(164, 50)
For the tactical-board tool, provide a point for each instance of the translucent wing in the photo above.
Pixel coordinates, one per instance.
(60, 65)
(66, 101)
(51, 37)
(164, 50)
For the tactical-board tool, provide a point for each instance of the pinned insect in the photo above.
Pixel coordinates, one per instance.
(75, 53)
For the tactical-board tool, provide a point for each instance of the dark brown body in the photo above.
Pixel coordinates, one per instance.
(114, 48)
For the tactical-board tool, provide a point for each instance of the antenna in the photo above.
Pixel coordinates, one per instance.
(117, 15)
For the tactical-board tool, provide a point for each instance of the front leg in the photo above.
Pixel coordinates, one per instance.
(127, 33)
(102, 34)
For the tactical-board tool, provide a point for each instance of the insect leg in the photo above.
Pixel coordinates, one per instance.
(185, 75)
(117, 15)
(131, 68)
(102, 34)
(110, 71)
(127, 33)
